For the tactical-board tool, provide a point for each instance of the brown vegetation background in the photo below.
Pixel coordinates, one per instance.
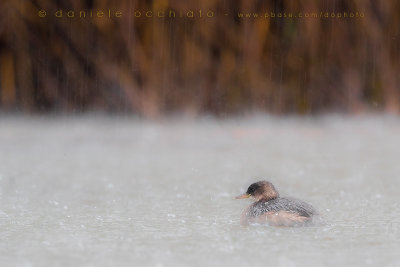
(219, 65)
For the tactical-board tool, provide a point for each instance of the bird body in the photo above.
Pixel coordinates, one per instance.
(271, 209)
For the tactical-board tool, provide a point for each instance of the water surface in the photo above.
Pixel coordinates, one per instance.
(104, 191)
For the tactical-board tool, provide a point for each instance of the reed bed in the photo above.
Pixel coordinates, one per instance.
(173, 56)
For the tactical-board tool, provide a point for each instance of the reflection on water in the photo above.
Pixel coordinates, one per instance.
(102, 191)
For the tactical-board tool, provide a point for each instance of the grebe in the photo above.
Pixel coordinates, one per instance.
(271, 209)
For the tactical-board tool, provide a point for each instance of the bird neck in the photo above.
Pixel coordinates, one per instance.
(266, 196)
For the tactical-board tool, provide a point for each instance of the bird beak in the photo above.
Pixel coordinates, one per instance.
(243, 196)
